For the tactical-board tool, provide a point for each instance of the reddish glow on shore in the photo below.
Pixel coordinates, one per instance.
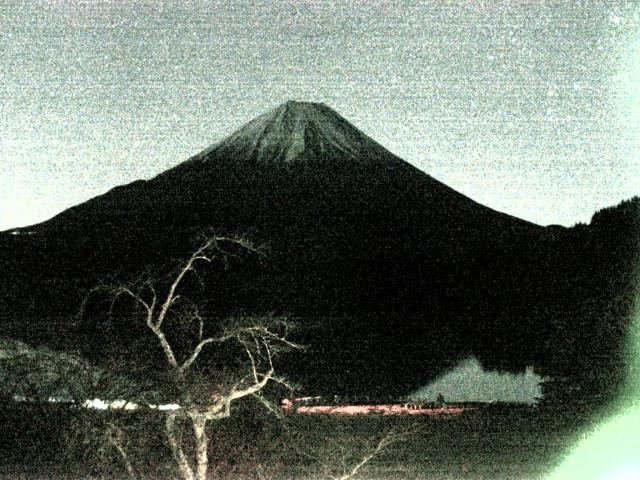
(386, 409)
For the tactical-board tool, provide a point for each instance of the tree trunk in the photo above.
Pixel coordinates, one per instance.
(115, 435)
(202, 458)
(178, 454)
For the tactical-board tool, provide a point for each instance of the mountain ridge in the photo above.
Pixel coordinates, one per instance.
(303, 143)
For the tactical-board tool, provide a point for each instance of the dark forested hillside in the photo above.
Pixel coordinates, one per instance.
(591, 288)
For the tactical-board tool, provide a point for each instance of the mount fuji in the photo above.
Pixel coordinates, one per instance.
(392, 276)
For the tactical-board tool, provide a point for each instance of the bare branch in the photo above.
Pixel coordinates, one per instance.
(196, 352)
(115, 436)
(387, 440)
(200, 255)
(198, 317)
(166, 347)
(284, 382)
(262, 332)
(254, 333)
(269, 356)
(116, 291)
(268, 405)
(278, 338)
(154, 297)
(254, 370)
(256, 387)
(170, 298)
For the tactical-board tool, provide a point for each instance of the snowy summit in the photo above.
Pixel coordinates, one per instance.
(294, 131)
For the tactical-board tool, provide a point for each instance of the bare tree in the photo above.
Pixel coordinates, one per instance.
(350, 470)
(115, 437)
(343, 457)
(258, 339)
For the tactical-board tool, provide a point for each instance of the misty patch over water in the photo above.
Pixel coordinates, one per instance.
(469, 382)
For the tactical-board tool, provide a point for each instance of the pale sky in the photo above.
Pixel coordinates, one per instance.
(529, 107)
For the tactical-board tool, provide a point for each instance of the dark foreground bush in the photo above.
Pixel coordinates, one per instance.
(495, 443)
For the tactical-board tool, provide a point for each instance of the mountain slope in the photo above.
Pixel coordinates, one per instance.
(299, 143)
(339, 211)
(392, 275)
